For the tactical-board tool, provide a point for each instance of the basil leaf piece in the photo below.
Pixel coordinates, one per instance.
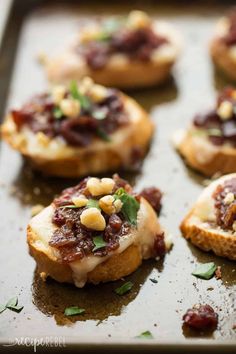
(72, 206)
(16, 308)
(12, 302)
(214, 132)
(74, 310)
(145, 335)
(2, 308)
(130, 206)
(111, 25)
(93, 203)
(103, 135)
(99, 114)
(205, 271)
(98, 242)
(153, 280)
(57, 113)
(123, 289)
(77, 95)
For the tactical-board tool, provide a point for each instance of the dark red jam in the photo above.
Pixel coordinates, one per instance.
(201, 318)
(225, 212)
(39, 116)
(230, 38)
(75, 241)
(135, 44)
(153, 195)
(219, 130)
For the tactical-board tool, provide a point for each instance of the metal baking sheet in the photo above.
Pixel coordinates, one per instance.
(112, 322)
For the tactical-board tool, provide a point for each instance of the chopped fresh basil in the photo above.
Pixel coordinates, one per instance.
(71, 206)
(98, 242)
(93, 203)
(130, 205)
(123, 289)
(12, 302)
(205, 271)
(214, 132)
(111, 25)
(103, 135)
(2, 308)
(77, 95)
(74, 310)
(99, 114)
(145, 335)
(57, 113)
(153, 280)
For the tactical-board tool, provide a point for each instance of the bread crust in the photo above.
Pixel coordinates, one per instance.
(222, 58)
(205, 157)
(120, 71)
(113, 267)
(98, 157)
(204, 236)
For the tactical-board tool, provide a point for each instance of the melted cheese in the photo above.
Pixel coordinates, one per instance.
(142, 236)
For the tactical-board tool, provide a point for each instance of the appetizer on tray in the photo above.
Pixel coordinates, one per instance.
(126, 52)
(97, 231)
(209, 144)
(223, 45)
(81, 130)
(211, 223)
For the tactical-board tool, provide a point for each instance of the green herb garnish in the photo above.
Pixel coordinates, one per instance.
(153, 280)
(74, 310)
(57, 113)
(205, 271)
(98, 242)
(12, 304)
(123, 289)
(103, 135)
(145, 335)
(214, 132)
(77, 95)
(99, 114)
(130, 205)
(71, 206)
(93, 203)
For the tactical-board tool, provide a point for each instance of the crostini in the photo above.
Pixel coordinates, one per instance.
(126, 52)
(97, 231)
(85, 129)
(211, 223)
(209, 144)
(223, 45)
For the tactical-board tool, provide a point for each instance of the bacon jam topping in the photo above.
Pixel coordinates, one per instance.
(93, 216)
(225, 205)
(219, 124)
(201, 318)
(229, 39)
(77, 115)
(133, 37)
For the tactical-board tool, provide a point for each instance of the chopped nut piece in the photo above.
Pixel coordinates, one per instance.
(58, 93)
(70, 107)
(229, 198)
(36, 209)
(106, 204)
(138, 19)
(225, 110)
(43, 276)
(80, 201)
(118, 205)
(93, 219)
(42, 139)
(218, 274)
(89, 33)
(98, 93)
(100, 187)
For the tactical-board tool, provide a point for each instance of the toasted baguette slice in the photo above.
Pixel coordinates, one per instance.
(223, 57)
(204, 156)
(120, 71)
(199, 226)
(59, 159)
(134, 247)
